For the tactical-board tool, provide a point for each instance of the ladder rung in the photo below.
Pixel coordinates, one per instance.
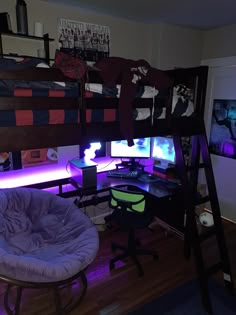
(214, 268)
(200, 160)
(201, 200)
(209, 232)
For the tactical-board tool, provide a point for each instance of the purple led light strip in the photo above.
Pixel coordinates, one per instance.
(41, 174)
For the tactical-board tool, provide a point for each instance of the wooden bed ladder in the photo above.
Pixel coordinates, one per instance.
(193, 238)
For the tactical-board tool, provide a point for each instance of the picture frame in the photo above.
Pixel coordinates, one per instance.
(222, 139)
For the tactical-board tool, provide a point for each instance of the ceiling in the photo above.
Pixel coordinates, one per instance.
(202, 14)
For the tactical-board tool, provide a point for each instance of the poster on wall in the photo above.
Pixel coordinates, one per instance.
(222, 139)
(86, 41)
(39, 157)
(6, 162)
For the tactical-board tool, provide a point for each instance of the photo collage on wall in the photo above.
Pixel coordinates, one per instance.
(223, 128)
(27, 158)
(10, 161)
(39, 157)
(86, 41)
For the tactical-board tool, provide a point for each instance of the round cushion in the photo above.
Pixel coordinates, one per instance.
(43, 237)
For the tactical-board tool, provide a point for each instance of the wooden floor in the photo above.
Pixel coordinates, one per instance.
(122, 290)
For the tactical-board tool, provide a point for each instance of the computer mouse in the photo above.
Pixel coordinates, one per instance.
(150, 176)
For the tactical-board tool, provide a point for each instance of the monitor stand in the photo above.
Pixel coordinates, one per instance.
(131, 164)
(163, 167)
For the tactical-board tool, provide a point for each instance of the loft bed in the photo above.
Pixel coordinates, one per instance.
(48, 116)
(40, 116)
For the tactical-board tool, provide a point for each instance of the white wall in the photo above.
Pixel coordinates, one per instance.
(221, 85)
(155, 39)
(219, 42)
(179, 47)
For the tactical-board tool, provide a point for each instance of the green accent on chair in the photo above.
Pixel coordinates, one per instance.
(133, 201)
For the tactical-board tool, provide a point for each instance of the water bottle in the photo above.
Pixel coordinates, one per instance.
(21, 17)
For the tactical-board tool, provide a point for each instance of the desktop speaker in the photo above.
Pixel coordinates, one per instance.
(83, 172)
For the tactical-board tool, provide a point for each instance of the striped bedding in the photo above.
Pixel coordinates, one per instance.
(39, 117)
(182, 105)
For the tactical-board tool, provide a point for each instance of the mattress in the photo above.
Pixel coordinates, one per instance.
(98, 90)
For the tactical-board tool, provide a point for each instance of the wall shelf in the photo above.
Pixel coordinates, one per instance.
(11, 34)
(46, 39)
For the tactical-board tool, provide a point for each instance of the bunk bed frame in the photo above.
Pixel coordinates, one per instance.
(37, 136)
(16, 138)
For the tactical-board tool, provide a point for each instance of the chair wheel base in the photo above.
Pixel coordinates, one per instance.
(113, 248)
(140, 273)
(112, 265)
(155, 257)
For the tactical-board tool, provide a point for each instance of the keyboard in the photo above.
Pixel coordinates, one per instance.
(123, 174)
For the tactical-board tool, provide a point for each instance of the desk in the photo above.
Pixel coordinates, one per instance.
(103, 182)
(165, 203)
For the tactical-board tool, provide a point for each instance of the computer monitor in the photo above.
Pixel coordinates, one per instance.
(163, 150)
(140, 150)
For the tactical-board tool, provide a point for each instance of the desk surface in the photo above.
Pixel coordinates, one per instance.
(166, 203)
(153, 188)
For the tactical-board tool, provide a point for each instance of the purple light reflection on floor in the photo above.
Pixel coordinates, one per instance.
(102, 272)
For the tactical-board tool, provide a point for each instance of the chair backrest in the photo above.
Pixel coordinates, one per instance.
(127, 200)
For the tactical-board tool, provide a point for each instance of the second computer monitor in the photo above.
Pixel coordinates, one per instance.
(163, 150)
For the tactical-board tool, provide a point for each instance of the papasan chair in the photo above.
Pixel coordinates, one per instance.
(45, 242)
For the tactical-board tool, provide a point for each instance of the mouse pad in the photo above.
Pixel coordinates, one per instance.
(146, 178)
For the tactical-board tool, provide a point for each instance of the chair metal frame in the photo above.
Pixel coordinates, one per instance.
(55, 286)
